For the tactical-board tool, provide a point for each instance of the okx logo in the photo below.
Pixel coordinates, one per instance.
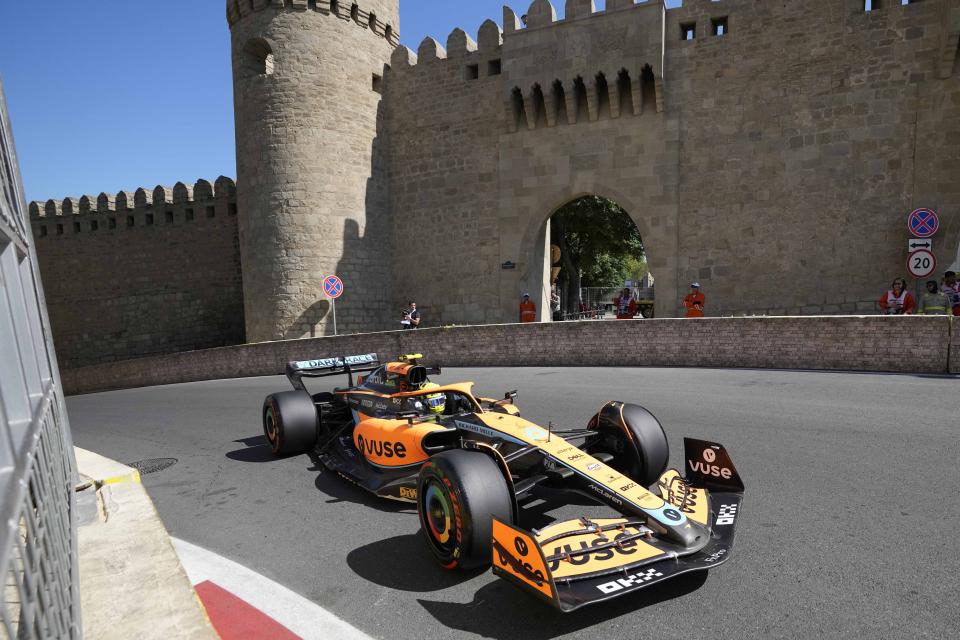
(726, 514)
(634, 580)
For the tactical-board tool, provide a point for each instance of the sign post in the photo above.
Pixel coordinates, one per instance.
(923, 224)
(333, 287)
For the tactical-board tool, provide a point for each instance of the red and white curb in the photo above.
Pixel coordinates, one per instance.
(243, 604)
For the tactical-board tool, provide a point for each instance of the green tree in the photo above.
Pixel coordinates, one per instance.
(600, 246)
(636, 267)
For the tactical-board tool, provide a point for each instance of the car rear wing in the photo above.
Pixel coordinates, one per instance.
(322, 368)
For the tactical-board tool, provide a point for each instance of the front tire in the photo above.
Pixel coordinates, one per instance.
(635, 439)
(290, 422)
(458, 495)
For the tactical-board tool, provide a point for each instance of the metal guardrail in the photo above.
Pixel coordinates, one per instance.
(596, 303)
(604, 296)
(38, 532)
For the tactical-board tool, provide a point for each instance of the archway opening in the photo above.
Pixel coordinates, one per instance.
(596, 252)
(258, 57)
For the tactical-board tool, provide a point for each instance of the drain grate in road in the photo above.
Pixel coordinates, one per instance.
(153, 465)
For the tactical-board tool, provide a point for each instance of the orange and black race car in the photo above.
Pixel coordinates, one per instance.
(468, 462)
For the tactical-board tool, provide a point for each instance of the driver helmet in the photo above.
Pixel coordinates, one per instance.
(436, 402)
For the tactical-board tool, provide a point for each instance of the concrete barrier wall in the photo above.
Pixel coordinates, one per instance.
(955, 346)
(854, 343)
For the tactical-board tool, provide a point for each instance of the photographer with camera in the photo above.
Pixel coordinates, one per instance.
(411, 317)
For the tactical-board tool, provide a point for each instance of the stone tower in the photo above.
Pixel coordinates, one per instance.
(311, 167)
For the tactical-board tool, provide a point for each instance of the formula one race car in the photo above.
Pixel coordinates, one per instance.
(467, 462)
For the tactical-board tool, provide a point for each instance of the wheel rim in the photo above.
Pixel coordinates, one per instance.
(438, 513)
(271, 426)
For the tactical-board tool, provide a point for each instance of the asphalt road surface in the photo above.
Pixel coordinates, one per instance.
(849, 527)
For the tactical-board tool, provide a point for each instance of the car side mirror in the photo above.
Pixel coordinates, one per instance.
(509, 397)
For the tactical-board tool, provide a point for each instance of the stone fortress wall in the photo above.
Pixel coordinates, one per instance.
(774, 163)
(140, 273)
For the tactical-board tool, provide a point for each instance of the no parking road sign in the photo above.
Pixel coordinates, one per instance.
(921, 263)
(333, 287)
(923, 223)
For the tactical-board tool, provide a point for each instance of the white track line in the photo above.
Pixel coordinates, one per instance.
(301, 616)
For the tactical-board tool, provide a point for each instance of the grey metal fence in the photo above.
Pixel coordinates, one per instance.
(38, 547)
(598, 302)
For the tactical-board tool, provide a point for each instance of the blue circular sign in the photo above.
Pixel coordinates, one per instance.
(333, 287)
(923, 223)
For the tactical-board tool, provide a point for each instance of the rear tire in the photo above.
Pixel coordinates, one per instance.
(635, 439)
(290, 422)
(458, 495)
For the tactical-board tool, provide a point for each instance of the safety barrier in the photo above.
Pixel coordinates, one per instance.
(847, 343)
(38, 543)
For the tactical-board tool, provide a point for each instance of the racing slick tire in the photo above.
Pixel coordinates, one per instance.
(458, 494)
(290, 422)
(635, 439)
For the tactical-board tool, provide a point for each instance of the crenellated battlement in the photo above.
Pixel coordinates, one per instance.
(156, 206)
(542, 14)
(198, 193)
(490, 36)
(553, 71)
(355, 12)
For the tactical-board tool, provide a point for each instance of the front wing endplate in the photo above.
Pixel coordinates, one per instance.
(623, 562)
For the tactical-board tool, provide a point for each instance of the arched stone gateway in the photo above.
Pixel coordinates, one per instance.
(533, 273)
(581, 237)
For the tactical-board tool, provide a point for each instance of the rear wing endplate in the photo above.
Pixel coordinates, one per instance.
(324, 367)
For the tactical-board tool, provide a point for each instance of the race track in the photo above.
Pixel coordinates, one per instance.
(849, 527)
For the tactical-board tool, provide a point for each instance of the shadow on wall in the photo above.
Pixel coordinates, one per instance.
(956, 261)
(366, 264)
(311, 316)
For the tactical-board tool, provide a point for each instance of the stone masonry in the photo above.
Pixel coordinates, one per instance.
(775, 163)
(308, 78)
(140, 273)
(901, 344)
(770, 150)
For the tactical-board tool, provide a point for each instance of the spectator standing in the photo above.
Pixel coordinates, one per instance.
(951, 288)
(625, 304)
(555, 305)
(934, 302)
(695, 301)
(411, 317)
(898, 301)
(528, 310)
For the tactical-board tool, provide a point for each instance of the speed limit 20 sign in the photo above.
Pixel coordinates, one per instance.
(921, 263)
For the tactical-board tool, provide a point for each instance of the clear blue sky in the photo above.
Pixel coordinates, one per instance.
(118, 94)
